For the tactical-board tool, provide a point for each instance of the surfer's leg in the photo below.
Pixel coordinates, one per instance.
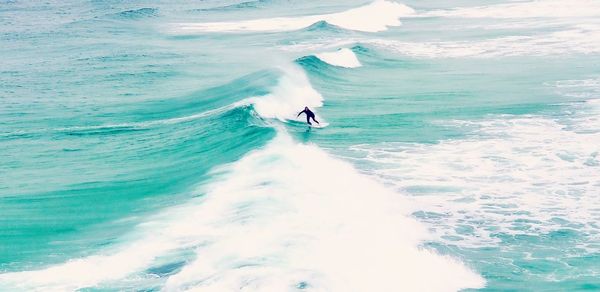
(315, 120)
(308, 120)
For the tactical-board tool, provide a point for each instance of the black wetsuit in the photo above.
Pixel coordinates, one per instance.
(309, 115)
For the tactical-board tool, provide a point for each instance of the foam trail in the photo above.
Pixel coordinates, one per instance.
(274, 222)
(361, 19)
(342, 58)
(277, 223)
(292, 93)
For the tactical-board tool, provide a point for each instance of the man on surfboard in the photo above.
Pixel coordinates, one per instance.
(309, 115)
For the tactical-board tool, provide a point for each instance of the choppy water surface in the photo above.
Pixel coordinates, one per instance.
(155, 145)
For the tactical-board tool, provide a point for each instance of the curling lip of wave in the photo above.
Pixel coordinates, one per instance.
(291, 94)
(341, 58)
(360, 19)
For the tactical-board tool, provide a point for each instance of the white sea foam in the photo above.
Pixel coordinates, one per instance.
(291, 94)
(526, 175)
(88, 271)
(376, 16)
(278, 222)
(582, 39)
(584, 89)
(575, 24)
(282, 218)
(342, 58)
(528, 9)
(320, 45)
(577, 39)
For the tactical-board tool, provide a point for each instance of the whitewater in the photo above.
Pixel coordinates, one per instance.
(158, 147)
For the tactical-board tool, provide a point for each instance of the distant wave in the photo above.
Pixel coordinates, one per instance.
(581, 39)
(242, 5)
(342, 58)
(322, 26)
(138, 13)
(575, 39)
(530, 9)
(281, 101)
(374, 17)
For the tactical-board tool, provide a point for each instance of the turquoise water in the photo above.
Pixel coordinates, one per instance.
(152, 146)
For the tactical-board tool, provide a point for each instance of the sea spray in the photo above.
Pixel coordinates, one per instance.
(291, 94)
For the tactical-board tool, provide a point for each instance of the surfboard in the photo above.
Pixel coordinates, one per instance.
(320, 125)
(303, 123)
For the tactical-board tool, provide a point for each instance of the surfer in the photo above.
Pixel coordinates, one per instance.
(309, 115)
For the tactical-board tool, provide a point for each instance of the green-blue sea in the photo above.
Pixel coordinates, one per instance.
(156, 145)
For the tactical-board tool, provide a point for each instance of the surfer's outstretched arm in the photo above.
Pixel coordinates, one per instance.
(299, 113)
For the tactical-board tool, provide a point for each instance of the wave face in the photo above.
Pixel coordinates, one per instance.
(159, 148)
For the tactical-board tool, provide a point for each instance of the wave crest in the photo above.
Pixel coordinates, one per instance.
(292, 93)
(341, 58)
(360, 19)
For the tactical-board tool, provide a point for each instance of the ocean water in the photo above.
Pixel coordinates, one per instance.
(154, 145)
